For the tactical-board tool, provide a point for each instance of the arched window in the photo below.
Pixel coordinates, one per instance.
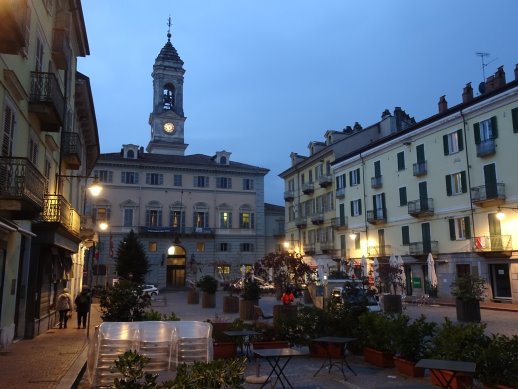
(168, 97)
(200, 216)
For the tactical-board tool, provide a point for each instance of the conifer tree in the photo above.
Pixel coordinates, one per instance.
(132, 263)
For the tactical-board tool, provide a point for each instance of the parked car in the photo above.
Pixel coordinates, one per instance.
(151, 290)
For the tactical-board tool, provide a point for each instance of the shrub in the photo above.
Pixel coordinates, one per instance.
(153, 315)
(208, 284)
(379, 331)
(414, 340)
(122, 302)
(498, 362)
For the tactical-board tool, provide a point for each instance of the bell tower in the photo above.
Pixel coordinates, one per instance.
(167, 119)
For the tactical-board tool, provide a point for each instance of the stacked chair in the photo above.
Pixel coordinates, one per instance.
(156, 340)
(193, 342)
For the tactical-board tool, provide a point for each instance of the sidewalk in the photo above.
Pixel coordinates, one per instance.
(55, 359)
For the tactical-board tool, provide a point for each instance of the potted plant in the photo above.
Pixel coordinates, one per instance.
(458, 342)
(391, 280)
(497, 365)
(468, 291)
(209, 286)
(231, 301)
(250, 298)
(412, 344)
(193, 296)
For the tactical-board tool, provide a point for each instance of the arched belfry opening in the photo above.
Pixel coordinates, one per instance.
(168, 97)
(176, 263)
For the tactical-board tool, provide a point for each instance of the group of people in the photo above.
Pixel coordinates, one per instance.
(64, 306)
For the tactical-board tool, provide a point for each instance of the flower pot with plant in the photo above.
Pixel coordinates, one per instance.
(209, 286)
(391, 281)
(250, 298)
(468, 290)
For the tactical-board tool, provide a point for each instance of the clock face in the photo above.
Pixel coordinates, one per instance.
(168, 127)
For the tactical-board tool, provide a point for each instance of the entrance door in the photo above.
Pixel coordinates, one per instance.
(500, 281)
(490, 181)
(423, 196)
(495, 232)
(175, 276)
(427, 240)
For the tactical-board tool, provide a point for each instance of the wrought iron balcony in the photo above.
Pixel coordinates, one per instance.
(340, 223)
(421, 207)
(61, 51)
(377, 216)
(301, 222)
(488, 195)
(317, 218)
(376, 182)
(13, 14)
(47, 101)
(22, 188)
(289, 195)
(379, 251)
(340, 193)
(493, 243)
(71, 147)
(420, 168)
(423, 248)
(327, 247)
(486, 148)
(308, 188)
(325, 181)
(57, 209)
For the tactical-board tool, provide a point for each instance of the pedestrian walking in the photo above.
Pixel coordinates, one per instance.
(83, 301)
(64, 306)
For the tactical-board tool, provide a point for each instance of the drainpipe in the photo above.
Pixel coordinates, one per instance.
(468, 174)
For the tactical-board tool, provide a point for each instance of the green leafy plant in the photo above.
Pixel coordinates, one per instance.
(132, 263)
(122, 302)
(498, 362)
(414, 340)
(469, 288)
(251, 290)
(379, 331)
(208, 284)
(131, 366)
(153, 315)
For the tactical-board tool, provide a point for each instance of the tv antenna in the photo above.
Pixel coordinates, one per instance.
(484, 63)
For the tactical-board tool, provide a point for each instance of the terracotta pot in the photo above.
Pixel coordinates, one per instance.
(193, 297)
(325, 350)
(459, 382)
(208, 300)
(408, 368)
(230, 304)
(270, 344)
(378, 358)
(224, 350)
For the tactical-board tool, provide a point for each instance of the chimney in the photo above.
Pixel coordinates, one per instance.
(443, 104)
(516, 72)
(467, 93)
(499, 77)
(490, 84)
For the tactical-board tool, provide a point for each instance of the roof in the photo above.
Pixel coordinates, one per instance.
(273, 207)
(169, 54)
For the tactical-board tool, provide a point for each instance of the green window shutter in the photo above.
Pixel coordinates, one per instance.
(452, 229)
(463, 181)
(514, 114)
(352, 208)
(402, 196)
(358, 175)
(360, 206)
(467, 226)
(494, 127)
(448, 185)
(476, 132)
(460, 140)
(405, 235)
(400, 161)
(351, 178)
(341, 207)
(445, 144)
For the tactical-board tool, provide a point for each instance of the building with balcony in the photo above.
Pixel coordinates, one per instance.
(449, 182)
(207, 210)
(49, 146)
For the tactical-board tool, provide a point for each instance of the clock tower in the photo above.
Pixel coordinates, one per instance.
(167, 119)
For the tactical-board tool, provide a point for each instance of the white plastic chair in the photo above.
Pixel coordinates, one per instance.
(156, 341)
(193, 342)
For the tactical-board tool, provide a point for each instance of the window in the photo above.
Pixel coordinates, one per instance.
(177, 180)
(104, 175)
(153, 217)
(201, 182)
(168, 97)
(176, 218)
(39, 55)
(9, 123)
(356, 207)
(405, 235)
(357, 242)
(225, 219)
(33, 151)
(201, 217)
(291, 185)
(246, 247)
(319, 171)
(340, 181)
(514, 114)
(456, 183)
(246, 220)
(453, 143)
(224, 247)
(402, 196)
(485, 130)
(152, 247)
(200, 247)
(248, 184)
(102, 213)
(354, 177)
(129, 177)
(154, 179)
(401, 161)
(460, 228)
(127, 217)
(224, 182)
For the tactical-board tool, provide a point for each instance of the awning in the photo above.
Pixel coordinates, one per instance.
(10, 226)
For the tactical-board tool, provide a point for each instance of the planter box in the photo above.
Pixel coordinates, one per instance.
(408, 368)
(193, 297)
(284, 312)
(325, 350)
(270, 344)
(246, 309)
(392, 303)
(459, 382)
(223, 350)
(468, 311)
(208, 300)
(378, 358)
(230, 304)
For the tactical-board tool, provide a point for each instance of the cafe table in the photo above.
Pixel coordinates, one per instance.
(246, 336)
(274, 356)
(330, 361)
(438, 366)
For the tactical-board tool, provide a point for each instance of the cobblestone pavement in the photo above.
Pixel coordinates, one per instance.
(55, 359)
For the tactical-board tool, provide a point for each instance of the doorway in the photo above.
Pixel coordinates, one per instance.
(175, 276)
(500, 281)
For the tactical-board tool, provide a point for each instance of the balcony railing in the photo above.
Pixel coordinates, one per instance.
(376, 182)
(340, 193)
(191, 231)
(486, 148)
(488, 195)
(379, 251)
(13, 14)
(423, 248)
(308, 188)
(317, 218)
(327, 247)
(421, 207)
(71, 147)
(22, 186)
(47, 100)
(301, 222)
(420, 168)
(377, 216)
(492, 243)
(56, 210)
(289, 195)
(325, 181)
(339, 223)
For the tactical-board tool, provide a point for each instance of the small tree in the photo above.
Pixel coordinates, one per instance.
(287, 268)
(132, 263)
(122, 302)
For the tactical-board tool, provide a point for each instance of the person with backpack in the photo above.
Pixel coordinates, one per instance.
(82, 301)
(63, 306)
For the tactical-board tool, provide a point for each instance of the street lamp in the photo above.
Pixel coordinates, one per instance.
(500, 215)
(290, 246)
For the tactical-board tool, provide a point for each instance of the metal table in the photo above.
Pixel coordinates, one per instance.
(273, 357)
(245, 342)
(327, 340)
(437, 366)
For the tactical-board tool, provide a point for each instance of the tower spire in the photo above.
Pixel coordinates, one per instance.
(169, 29)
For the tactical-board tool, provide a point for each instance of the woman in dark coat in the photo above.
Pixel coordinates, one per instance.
(82, 301)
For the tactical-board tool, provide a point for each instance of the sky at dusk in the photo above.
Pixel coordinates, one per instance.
(264, 78)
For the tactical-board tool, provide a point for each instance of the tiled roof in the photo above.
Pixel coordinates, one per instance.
(169, 53)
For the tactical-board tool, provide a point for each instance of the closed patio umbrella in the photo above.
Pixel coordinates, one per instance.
(432, 277)
(376, 271)
(365, 268)
(401, 266)
(350, 270)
